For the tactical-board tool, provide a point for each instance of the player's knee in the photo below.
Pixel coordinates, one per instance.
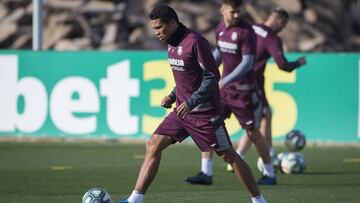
(151, 146)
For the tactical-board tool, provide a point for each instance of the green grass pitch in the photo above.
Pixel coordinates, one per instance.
(62, 172)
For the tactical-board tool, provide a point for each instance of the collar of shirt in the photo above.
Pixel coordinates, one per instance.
(178, 35)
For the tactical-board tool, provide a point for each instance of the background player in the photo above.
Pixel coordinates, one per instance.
(268, 45)
(198, 108)
(239, 94)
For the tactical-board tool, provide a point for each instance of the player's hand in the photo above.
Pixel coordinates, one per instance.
(166, 102)
(302, 60)
(182, 110)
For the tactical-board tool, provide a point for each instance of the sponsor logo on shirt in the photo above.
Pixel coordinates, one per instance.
(227, 47)
(177, 64)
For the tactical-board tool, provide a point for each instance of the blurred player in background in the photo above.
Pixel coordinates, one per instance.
(198, 108)
(268, 44)
(236, 44)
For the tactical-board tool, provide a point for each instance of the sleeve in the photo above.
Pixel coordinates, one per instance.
(244, 67)
(217, 57)
(209, 83)
(204, 92)
(276, 50)
(172, 95)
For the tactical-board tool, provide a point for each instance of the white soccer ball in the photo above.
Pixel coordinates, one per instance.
(275, 163)
(295, 140)
(96, 195)
(281, 156)
(293, 162)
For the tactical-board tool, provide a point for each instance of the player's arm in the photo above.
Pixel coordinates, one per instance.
(242, 69)
(209, 83)
(217, 56)
(248, 56)
(168, 100)
(276, 51)
(203, 93)
(204, 55)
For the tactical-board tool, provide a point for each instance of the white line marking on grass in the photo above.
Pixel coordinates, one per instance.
(60, 168)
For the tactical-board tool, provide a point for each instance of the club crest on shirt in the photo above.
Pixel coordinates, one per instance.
(234, 36)
(221, 33)
(179, 50)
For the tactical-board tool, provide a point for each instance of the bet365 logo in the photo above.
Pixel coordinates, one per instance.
(59, 104)
(76, 105)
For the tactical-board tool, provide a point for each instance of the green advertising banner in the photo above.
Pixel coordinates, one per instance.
(116, 95)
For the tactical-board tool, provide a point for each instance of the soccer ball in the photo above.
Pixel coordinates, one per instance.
(275, 163)
(96, 195)
(281, 156)
(295, 140)
(293, 162)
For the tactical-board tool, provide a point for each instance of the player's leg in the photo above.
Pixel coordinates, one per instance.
(213, 136)
(265, 128)
(154, 146)
(168, 132)
(206, 163)
(263, 151)
(266, 119)
(204, 177)
(243, 172)
(249, 115)
(244, 145)
(260, 143)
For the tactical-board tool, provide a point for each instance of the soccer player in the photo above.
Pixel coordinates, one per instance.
(236, 43)
(269, 44)
(198, 108)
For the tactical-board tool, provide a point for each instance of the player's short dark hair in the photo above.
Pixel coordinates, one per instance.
(163, 12)
(282, 12)
(233, 3)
